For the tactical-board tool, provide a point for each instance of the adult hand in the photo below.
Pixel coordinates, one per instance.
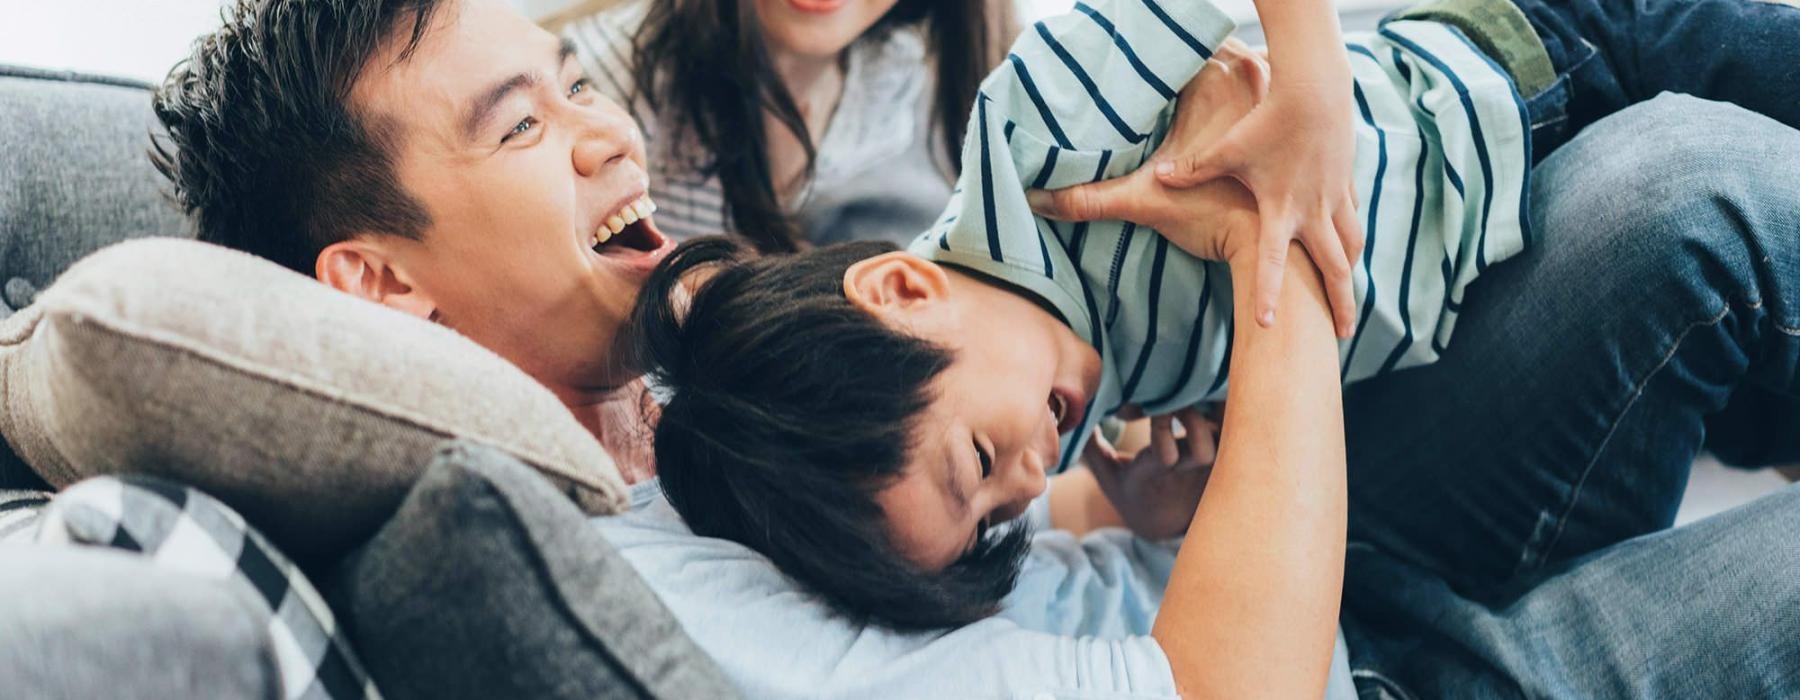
(1296, 152)
(1156, 490)
(1290, 142)
(1209, 221)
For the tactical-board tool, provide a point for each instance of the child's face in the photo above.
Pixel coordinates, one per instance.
(1019, 378)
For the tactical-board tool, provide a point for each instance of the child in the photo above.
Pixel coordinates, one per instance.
(861, 416)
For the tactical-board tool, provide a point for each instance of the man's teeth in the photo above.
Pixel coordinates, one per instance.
(638, 209)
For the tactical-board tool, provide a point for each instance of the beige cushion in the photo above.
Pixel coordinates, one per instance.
(310, 411)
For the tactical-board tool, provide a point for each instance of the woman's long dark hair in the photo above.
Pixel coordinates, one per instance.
(704, 63)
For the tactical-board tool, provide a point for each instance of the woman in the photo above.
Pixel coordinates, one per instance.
(792, 122)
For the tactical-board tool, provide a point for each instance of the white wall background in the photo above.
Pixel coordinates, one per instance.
(143, 38)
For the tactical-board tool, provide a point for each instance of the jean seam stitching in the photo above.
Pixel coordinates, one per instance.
(1562, 519)
(1388, 686)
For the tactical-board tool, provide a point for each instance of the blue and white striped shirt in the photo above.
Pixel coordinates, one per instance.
(1442, 161)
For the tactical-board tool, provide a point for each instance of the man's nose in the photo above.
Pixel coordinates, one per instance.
(604, 143)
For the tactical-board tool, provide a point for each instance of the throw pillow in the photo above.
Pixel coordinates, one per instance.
(308, 410)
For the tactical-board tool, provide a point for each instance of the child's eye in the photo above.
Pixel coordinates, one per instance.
(519, 129)
(580, 86)
(987, 463)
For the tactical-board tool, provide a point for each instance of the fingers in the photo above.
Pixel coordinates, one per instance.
(1185, 170)
(1100, 455)
(1201, 446)
(1350, 229)
(1106, 199)
(1163, 441)
(1271, 268)
(1326, 247)
(1350, 238)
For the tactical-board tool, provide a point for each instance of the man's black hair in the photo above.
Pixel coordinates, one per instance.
(790, 409)
(262, 144)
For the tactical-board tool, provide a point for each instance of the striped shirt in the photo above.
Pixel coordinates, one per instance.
(879, 171)
(1442, 160)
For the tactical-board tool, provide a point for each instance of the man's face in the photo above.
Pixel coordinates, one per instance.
(520, 164)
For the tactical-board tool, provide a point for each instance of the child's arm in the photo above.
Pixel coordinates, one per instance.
(1296, 153)
(1251, 607)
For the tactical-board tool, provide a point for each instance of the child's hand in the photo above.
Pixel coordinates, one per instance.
(1156, 491)
(1214, 221)
(1295, 152)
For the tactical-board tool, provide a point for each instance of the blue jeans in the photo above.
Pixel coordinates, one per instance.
(1510, 505)
(1609, 54)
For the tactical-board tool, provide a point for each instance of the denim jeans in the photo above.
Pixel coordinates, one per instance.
(1609, 54)
(1510, 505)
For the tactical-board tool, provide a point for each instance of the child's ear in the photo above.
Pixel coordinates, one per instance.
(363, 267)
(895, 284)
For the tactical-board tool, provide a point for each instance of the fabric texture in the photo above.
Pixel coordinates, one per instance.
(1076, 627)
(73, 177)
(1443, 157)
(180, 529)
(73, 174)
(1512, 538)
(307, 410)
(19, 511)
(880, 170)
(89, 622)
(1609, 54)
(488, 584)
(1500, 30)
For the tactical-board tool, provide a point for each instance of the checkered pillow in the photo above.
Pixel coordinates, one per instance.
(18, 510)
(185, 530)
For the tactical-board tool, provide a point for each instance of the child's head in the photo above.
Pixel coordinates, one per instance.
(860, 416)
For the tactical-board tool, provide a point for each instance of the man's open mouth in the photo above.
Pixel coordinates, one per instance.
(628, 231)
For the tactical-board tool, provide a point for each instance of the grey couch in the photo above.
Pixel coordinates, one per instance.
(73, 178)
(485, 583)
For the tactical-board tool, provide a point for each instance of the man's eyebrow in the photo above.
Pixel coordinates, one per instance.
(483, 108)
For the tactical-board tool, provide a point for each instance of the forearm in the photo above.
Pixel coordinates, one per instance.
(1078, 505)
(1305, 44)
(1251, 607)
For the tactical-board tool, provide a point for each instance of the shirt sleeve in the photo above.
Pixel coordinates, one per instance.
(1081, 97)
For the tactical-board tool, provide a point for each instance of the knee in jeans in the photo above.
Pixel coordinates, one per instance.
(1673, 173)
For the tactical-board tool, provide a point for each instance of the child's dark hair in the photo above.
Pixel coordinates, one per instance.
(789, 410)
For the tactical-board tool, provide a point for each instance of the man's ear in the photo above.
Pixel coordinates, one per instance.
(364, 268)
(896, 285)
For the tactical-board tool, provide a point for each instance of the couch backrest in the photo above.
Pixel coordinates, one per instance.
(74, 176)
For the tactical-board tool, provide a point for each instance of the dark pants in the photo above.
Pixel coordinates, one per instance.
(1609, 54)
(1510, 504)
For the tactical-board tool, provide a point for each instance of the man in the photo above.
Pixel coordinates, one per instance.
(443, 158)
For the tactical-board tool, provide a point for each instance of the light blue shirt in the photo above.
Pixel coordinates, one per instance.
(1077, 625)
(1441, 168)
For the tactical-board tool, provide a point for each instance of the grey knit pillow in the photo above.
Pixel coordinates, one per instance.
(308, 410)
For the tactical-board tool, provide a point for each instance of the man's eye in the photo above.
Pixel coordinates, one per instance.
(519, 129)
(987, 463)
